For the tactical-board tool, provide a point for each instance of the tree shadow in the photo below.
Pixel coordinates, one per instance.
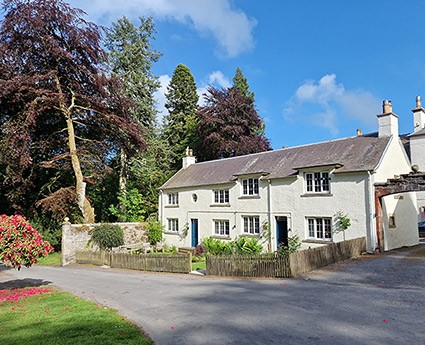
(22, 283)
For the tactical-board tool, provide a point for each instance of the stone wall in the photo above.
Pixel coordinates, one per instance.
(76, 237)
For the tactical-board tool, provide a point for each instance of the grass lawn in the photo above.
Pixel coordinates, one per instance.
(42, 315)
(54, 259)
(200, 265)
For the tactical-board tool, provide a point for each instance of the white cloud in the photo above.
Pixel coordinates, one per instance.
(320, 103)
(230, 26)
(160, 97)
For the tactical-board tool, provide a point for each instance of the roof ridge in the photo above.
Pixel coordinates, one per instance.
(278, 150)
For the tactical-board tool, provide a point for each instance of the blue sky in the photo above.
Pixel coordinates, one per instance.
(319, 69)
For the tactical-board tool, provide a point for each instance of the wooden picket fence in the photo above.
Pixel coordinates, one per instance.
(175, 263)
(249, 266)
(279, 266)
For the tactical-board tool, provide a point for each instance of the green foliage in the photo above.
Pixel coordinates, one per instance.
(240, 246)
(241, 83)
(107, 236)
(134, 207)
(50, 229)
(343, 221)
(132, 57)
(181, 123)
(247, 246)
(294, 244)
(155, 229)
(217, 247)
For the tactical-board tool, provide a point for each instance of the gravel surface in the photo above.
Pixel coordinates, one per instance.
(370, 300)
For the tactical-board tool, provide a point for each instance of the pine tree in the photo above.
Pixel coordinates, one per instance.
(132, 57)
(241, 83)
(181, 122)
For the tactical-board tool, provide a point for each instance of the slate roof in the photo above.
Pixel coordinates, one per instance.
(355, 154)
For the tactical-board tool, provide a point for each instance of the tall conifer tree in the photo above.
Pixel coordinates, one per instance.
(181, 122)
(241, 83)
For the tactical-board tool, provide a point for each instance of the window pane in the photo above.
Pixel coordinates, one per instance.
(309, 178)
(325, 181)
(251, 186)
(226, 196)
(317, 182)
(257, 225)
(328, 228)
(227, 228)
(216, 197)
(245, 187)
(255, 186)
(319, 228)
(311, 227)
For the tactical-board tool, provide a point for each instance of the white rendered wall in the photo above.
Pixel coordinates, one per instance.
(405, 232)
(402, 206)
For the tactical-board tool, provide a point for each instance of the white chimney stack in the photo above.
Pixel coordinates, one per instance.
(387, 121)
(418, 115)
(189, 159)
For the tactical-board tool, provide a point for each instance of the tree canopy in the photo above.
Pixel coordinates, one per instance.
(61, 112)
(229, 125)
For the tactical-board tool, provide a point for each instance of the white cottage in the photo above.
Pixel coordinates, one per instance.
(296, 191)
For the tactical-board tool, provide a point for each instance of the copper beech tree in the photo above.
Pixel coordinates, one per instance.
(61, 113)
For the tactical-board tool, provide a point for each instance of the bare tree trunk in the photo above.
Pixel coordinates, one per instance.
(80, 186)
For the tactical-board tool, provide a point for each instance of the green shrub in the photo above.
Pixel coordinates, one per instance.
(241, 246)
(294, 244)
(154, 231)
(247, 246)
(49, 229)
(133, 207)
(217, 247)
(107, 236)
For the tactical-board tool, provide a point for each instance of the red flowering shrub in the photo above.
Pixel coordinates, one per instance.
(20, 243)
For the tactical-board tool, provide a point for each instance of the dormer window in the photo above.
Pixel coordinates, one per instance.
(317, 182)
(173, 198)
(250, 186)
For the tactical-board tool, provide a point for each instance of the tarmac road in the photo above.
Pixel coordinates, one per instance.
(370, 300)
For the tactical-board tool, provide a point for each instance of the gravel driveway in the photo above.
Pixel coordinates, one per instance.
(370, 300)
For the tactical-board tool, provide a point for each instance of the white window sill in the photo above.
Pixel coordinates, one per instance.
(171, 233)
(307, 195)
(311, 240)
(171, 206)
(249, 197)
(220, 205)
(244, 234)
(221, 237)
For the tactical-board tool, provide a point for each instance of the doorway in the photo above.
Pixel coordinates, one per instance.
(282, 231)
(194, 226)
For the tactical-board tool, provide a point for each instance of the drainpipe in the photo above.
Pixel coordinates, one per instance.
(161, 207)
(371, 236)
(269, 214)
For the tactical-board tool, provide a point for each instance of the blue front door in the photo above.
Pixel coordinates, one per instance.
(194, 232)
(282, 231)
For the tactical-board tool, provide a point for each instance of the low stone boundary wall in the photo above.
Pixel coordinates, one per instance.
(174, 263)
(75, 237)
(279, 266)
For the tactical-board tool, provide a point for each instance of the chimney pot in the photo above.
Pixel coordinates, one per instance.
(387, 107)
(359, 132)
(418, 102)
